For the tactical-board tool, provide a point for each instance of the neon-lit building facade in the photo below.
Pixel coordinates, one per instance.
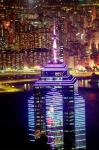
(54, 118)
(80, 127)
(31, 119)
(58, 108)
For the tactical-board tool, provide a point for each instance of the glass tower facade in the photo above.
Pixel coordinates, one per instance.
(80, 135)
(58, 109)
(54, 118)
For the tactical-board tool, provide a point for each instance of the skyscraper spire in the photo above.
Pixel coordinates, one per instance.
(54, 44)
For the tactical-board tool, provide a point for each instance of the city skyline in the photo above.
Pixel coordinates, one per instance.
(24, 28)
(49, 74)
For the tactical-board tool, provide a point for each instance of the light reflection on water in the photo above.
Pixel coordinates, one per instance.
(84, 83)
(25, 86)
(89, 83)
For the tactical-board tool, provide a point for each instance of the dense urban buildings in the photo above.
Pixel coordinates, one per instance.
(25, 27)
(25, 58)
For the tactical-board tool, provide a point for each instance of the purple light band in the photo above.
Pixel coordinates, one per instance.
(54, 69)
(56, 65)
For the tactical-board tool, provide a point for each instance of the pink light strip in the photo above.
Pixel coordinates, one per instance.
(55, 44)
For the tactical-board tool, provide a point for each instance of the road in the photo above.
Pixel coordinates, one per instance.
(18, 81)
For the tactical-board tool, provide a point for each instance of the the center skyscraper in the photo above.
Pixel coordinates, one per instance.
(56, 107)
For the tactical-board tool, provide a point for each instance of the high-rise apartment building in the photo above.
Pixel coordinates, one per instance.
(25, 57)
(20, 28)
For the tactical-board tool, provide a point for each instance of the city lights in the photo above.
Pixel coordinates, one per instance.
(49, 57)
(26, 40)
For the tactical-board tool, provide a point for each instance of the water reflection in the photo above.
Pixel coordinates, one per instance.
(88, 83)
(84, 83)
(24, 87)
(27, 86)
(92, 96)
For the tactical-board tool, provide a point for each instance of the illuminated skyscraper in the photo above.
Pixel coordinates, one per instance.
(57, 108)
